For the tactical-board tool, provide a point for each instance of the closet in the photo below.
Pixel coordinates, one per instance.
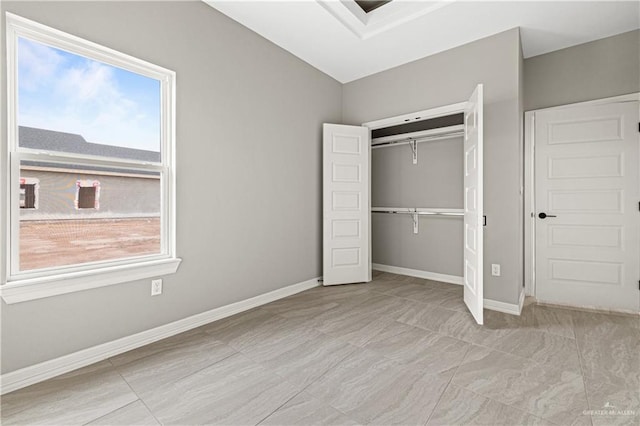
(347, 192)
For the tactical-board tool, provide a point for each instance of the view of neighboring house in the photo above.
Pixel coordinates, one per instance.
(58, 201)
(54, 191)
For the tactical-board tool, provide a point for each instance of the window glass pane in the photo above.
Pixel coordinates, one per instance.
(27, 196)
(73, 104)
(86, 197)
(87, 214)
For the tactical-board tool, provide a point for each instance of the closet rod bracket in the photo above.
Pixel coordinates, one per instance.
(414, 150)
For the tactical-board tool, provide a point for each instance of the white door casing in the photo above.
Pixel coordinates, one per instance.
(346, 204)
(473, 205)
(586, 174)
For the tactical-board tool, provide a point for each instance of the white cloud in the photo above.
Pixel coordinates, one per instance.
(90, 82)
(38, 64)
(84, 97)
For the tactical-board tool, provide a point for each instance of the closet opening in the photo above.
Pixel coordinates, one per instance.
(417, 203)
(404, 195)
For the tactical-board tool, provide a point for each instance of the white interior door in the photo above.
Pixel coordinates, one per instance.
(473, 206)
(588, 186)
(346, 205)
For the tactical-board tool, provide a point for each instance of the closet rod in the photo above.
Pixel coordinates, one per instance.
(416, 212)
(420, 212)
(417, 140)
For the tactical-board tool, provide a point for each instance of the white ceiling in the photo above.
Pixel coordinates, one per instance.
(329, 39)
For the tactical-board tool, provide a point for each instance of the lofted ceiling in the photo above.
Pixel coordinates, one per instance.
(340, 39)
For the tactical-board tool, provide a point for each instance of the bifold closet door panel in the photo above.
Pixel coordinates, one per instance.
(436, 181)
(346, 204)
(474, 204)
(436, 248)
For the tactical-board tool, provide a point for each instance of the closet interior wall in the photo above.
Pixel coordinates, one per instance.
(436, 181)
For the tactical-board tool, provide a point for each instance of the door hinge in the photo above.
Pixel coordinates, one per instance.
(484, 221)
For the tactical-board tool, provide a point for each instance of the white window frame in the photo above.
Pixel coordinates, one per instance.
(19, 286)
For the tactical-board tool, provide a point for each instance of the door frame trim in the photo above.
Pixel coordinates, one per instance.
(529, 182)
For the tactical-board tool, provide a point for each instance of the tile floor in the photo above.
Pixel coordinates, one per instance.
(399, 350)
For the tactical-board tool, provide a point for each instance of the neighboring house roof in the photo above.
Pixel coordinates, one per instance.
(34, 138)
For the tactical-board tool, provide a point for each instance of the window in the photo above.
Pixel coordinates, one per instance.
(87, 195)
(28, 193)
(94, 131)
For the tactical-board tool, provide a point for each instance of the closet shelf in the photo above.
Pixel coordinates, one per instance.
(417, 137)
(412, 139)
(416, 212)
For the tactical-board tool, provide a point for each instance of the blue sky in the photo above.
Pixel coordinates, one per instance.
(61, 91)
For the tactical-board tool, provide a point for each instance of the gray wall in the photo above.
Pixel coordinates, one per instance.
(249, 120)
(436, 181)
(120, 196)
(599, 69)
(447, 78)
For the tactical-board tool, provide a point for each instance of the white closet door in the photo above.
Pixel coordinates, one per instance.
(473, 209)
(346, 205)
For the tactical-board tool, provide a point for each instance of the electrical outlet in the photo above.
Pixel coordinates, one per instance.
(495, 269)
(156, 287)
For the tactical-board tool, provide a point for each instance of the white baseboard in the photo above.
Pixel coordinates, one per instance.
(45, 370)
(494, 305)
(451, 279)
(507, 308)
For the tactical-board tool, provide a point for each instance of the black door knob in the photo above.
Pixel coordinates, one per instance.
(544, 215)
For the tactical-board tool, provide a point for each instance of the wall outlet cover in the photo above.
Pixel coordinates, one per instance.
(156, 287)
(495, 269)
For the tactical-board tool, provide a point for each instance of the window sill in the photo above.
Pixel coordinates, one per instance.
(39, 288)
